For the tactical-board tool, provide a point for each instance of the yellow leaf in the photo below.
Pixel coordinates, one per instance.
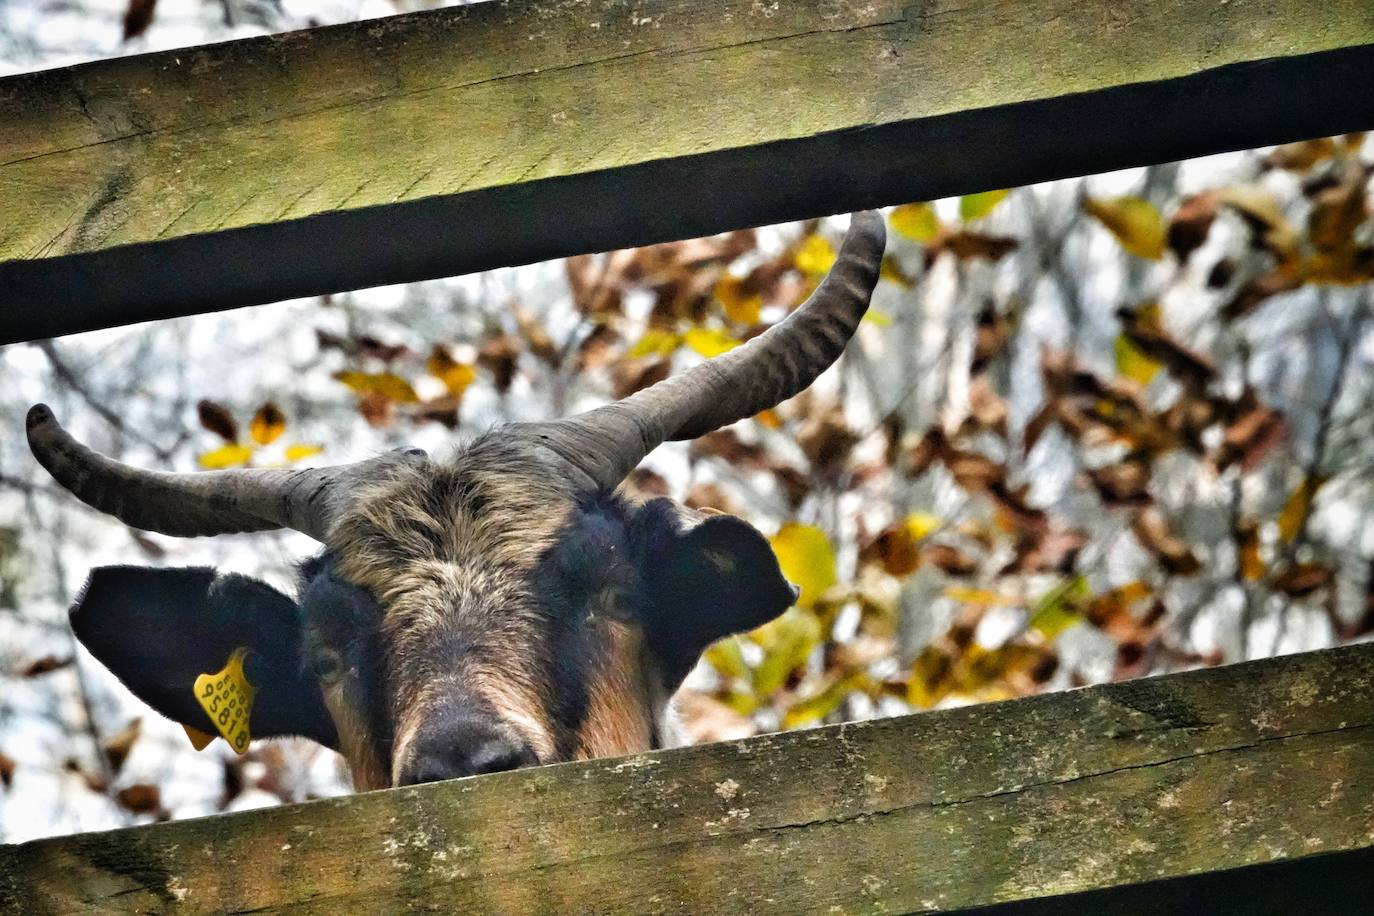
(1248, 545)
(727, 658)
(386, 384)
(709, 342)
(299, 451)
(1057, 609)
(1296, 509)
(1134, 221)
(980, 596)
(739, 306)
(977, 206)
(922, 524)
(226, 456)
(655, 342)
(877, 318)
(815, 256)
(268, 423)
(892, 273)
(915, 221)
(456, 376)
(807, 559)
(1133, 364)
(825, 702)
(931, 678)
(787, 643)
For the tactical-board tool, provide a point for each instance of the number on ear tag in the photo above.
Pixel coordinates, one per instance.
(227, 698)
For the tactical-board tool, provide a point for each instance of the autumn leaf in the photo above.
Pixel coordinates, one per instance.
(1301, 156)
(1297, 508)
(1133, 364)
(787, 643)
(977, 206)
(1152, 531)
(824, 702)
(226, 456)
(709, 342)
(6, 770)
(118, 745)
(267, 424)
(140, 799)
(655, 342)
(950, 560)
(966, 245)
(726, 656)
(742, 305)
(1191, 222)
(385, 384)
(299, 451)
(456, 376)
(1057, 609)
(1248, 550)
(1302, 579)
(44, 665)
(217, 419)
(498, 356)
(137, 17)
(917, 221)
(1134, 221)
(807, 560)
(815, 256)
(1269, 228)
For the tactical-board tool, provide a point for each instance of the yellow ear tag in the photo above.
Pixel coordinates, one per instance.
(199, 740)
(227, 698)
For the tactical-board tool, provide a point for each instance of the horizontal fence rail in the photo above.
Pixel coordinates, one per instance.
(461, 139)
(1248, 789)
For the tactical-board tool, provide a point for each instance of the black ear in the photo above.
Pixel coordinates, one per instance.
(159, 629)
(707, 576)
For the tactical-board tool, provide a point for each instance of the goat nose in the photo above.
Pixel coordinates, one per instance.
(451, 753)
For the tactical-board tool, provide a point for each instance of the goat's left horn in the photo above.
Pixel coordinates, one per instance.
(191, 505)
(605, 444)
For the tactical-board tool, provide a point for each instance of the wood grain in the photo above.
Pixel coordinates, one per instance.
(1253, 781)
(460, 139)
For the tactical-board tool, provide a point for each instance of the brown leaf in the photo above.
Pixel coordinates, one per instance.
(727, 445)
(498, 357)
(825, 438)
(894, 549)
(1126, 483)
(990, 335)
(1152, 531)
(1255, 291)
(597, 348)
(1191, 222)
(1338, 211)
(141, 798)
(1145, 332)
(377, 409)
(118, 745)
(965, 245)
(710, 496)
(644, 484)
(147, 545)
(137, 17)
(1302, 579)
(46, 664)
(1269, 229)
(1250, 436)
(635, 374)
(217, 419)
(1301, 156)
(536, 338)
(6, 769)
(986, 408)
(1221, 273)
(950, 560)
(371, 347)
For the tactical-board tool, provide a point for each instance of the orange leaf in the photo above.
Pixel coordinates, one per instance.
(268, 424)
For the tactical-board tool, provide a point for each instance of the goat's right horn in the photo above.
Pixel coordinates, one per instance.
(202, 503)
(605, 444)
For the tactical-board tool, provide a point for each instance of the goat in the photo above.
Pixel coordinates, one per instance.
(500, 609)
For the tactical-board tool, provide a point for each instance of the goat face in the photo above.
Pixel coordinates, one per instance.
(501, 608)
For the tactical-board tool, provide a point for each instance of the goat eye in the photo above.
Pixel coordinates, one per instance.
(328, 665)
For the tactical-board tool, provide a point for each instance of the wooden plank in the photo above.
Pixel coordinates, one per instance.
(461, 139)
(1255, 776)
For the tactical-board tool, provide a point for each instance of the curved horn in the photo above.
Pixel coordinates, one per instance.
(190, 505)
(605, 444)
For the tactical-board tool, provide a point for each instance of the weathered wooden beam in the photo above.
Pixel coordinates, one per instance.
(1257, 780)
(508, 132)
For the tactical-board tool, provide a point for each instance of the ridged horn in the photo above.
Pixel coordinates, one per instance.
(204, 503)
(605, 444)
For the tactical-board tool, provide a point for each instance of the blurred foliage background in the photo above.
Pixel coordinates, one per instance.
(1090, 430)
